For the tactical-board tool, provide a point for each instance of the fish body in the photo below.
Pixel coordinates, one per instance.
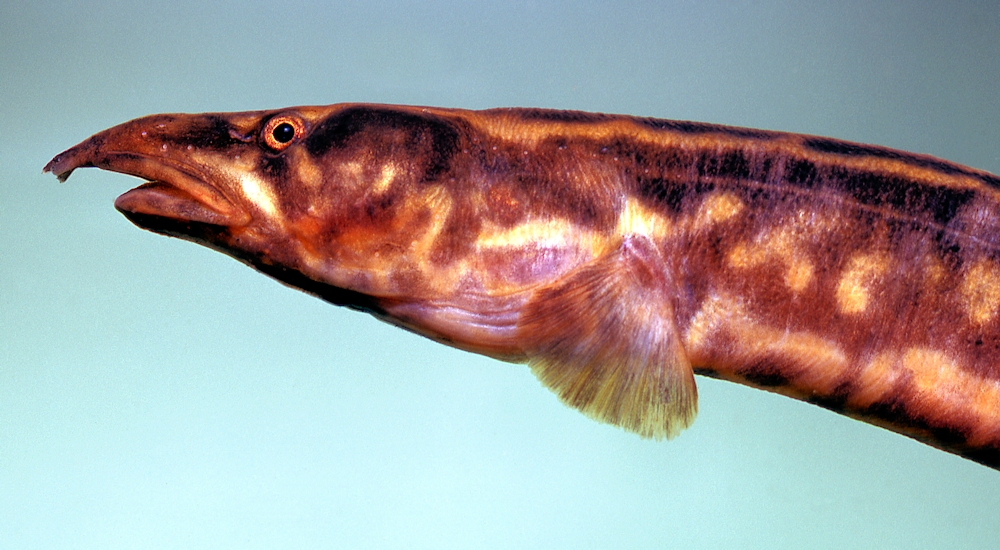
(617, 256)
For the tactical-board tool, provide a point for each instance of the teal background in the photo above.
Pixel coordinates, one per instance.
(156, 394)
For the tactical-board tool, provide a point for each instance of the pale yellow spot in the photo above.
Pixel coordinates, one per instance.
(713, 314)
(354, 168)
(548, 232)
(855, 286)
(311, 259)
(934, 272)
(439, 202)
(260, 194)
(933, 371)
(554, 233)
(876, 380)
(716, 209)
(799, 274)
(743, 257)
(781, 247)
(554, 242)
(981, 290)
(439, 279)
(813, 363)
(351, 175)
(308, 172)
(986, 401)
(852, 297)
(947, 390)
(381, 184)
(941, 389)
(636, 219)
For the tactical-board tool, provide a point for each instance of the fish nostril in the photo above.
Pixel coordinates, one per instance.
(243, 137)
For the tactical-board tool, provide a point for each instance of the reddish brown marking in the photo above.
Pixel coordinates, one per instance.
(615, 254)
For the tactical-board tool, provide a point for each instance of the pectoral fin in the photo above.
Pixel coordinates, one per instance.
(605, 341)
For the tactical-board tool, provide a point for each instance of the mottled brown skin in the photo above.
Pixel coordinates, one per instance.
(616, 255)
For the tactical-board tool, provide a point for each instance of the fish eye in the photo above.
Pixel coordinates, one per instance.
(281, 131)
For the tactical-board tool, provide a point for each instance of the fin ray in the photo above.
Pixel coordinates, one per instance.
(604, 339)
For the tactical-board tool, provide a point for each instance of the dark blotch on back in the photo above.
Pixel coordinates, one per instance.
(666, 193)
(731, 164)
(552, 115)
(670, 177)
(667, 178)
(837, 147)
(673, 179)
(908, 197)
(990, 180)
(686, 127)
(338, 130)
(801, 173)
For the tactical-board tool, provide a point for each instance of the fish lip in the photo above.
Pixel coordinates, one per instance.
(157, 200)
(195, 199)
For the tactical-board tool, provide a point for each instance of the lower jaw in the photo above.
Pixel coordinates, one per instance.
(155, 199)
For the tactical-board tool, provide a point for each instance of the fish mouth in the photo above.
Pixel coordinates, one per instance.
(176, 192)
(157, 199)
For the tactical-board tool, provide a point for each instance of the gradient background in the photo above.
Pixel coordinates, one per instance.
(154, 393)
